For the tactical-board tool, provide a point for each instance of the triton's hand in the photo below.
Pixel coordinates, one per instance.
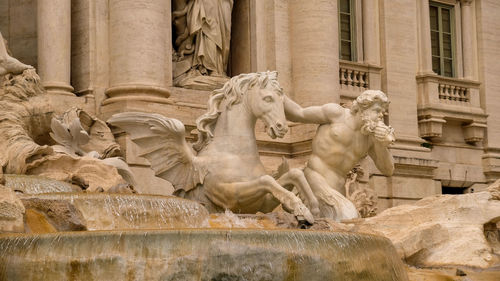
(384, 134)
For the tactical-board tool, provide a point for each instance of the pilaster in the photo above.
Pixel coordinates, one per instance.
(54, 45)
(315, 53)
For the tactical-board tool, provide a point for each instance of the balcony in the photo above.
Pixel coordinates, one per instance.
(354, 78)
(443, 98)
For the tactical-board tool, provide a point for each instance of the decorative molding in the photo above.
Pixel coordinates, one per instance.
(431, 128)
(474, 132)
(491, 164)
(414, 167)
(466, 2)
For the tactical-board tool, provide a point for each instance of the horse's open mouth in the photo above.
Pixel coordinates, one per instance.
(275, 133)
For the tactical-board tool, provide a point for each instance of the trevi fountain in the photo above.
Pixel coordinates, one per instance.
(70, 208)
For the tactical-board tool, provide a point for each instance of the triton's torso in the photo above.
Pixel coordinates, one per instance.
(336, 149)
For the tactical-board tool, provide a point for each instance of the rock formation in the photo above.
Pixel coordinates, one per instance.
(11, 211)
(443, 230)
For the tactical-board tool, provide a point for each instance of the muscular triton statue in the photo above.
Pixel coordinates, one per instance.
(344, 137)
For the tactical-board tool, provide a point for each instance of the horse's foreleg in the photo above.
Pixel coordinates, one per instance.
(296, 178)
(241, 194)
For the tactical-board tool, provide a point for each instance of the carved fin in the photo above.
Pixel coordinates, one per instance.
(60, 133)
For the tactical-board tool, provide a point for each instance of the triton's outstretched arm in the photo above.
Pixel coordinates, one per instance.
(326, 113)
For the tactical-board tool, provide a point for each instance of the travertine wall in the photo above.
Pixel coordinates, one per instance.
(488, 23)
(121, 61)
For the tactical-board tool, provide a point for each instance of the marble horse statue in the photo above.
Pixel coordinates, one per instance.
(223, 169)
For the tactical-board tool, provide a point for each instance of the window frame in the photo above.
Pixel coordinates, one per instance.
(453, 37)
(353, 30)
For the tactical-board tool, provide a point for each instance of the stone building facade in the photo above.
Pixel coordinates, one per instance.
(437, 60)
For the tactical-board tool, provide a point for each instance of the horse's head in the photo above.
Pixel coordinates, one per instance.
(262, 96)
(266, 103)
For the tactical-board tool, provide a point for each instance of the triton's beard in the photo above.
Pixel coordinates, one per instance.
(369, 125)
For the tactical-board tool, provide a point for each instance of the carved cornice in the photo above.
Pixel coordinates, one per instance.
(413, 166)
(432, 77)
(466, 2)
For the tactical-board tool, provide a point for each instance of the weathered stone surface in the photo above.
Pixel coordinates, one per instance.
(25, 119)
(11, 211)
(443, 230)
(90, 173)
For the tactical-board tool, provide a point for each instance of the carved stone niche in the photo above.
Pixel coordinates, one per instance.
(474, 132)
(431, 128)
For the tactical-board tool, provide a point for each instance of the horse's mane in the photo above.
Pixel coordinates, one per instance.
(230, 94)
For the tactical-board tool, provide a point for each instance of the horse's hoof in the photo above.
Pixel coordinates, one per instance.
(302, 223)
(303, 213)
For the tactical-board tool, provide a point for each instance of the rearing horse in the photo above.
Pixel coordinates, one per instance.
(226, 168)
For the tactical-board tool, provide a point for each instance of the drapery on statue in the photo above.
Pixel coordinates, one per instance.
(344, 137)
(223, 168)
(202, 32)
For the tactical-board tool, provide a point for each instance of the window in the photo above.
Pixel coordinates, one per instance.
(347, 35)
(442, 39)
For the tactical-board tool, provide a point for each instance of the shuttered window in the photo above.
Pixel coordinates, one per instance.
(442, 39)
(347, 44)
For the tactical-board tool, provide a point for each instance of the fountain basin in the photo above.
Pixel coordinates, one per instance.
(106, 211)
(199, 254)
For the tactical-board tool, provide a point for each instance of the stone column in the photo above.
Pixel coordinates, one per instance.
(371, 33)
(54, 45)
(424, 37)
(467, 39)
(315, 53)
(138, 47)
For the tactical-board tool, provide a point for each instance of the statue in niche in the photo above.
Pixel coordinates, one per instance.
(201, 37)
(344, 137)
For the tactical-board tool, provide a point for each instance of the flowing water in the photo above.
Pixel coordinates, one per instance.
(28, 184)
(103, 211)
(147, 237)
(199, 254)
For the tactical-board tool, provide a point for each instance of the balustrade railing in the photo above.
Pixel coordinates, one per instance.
(453, 94)
(353, 78)
(356, 77)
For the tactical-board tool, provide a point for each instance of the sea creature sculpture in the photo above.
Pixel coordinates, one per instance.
(223, 166)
